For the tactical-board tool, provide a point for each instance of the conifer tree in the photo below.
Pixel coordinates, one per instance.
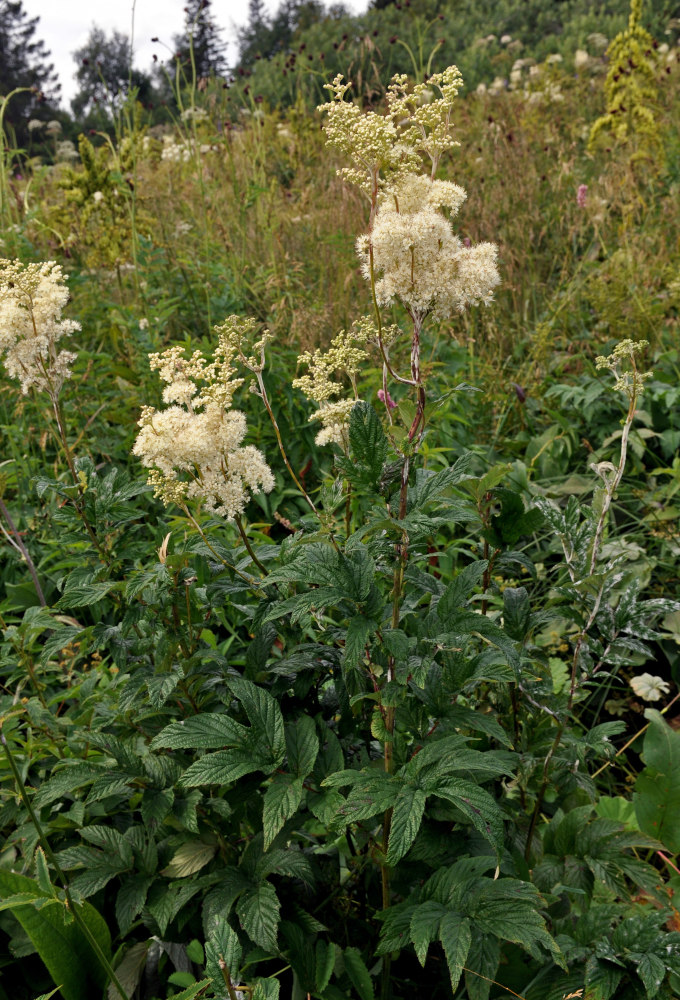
(202, 37)
(24, 62)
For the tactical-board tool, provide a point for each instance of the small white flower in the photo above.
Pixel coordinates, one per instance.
(506, 39)
(649, 687)
(97, 197)
(581, 58)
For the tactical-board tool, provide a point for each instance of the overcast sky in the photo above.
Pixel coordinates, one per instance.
(65, 25)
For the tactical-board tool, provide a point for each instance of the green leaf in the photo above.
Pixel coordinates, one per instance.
(367, 440)
(189, 858)
(302, 745)
(83, 595)
(264, 716)
(355, 967)
(516, 612)
(258, 911)
(267, 989)
(42, 873)
(209, 731)
(407, 816)
(324, 961)
(434, 486)
(657, 789)
(456, 937)
(483, 958)
(652, 972)
(193, 991)
(219, 768)
(358, 632)
(59, 941)
(66, 781)
(130, 900)
(222, 944)
(281, 801)
(425, 926)
(129, 971)
(156, 804)
(478, 806)
(460, 589)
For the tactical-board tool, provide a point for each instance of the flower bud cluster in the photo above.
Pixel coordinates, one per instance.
(629, 380)
(326, 369)
(194, 447)
(417, 123)
(32, 297)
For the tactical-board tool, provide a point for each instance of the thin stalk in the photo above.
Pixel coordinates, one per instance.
(18, 544)
(59, 417)
(44, 842)
(246, 542)
(279, 440)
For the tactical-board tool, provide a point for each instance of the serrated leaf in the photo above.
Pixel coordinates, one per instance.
(456, 937)
(460, 589)
(516, 612)
(267, 989)
(156, 804)
(367, 440)
(324, 960)
(302, 745)
(356, 969)
(264, 716)
(83, 595)
(193, 991)
(189, 858)
(258, 911)
(209, 731)
(42, 874)
(222, 944)
(281, 801)
(478, 806)
(65, 781)
(407, 816)
(219, 768)
(424, 926)
(358, 631)
(652, 972)
(483, 958)
(130, 900)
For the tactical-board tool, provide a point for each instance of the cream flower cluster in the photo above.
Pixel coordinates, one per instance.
(32, 297)
(194, 447)
(418, 259)
(344, 357)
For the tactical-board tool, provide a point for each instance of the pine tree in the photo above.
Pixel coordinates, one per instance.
(24, 62)
(202, 37)
(104, 75)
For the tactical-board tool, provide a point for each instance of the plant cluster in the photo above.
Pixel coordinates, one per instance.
(360, 716)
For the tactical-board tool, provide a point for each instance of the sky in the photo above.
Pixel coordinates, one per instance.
(65, 25)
